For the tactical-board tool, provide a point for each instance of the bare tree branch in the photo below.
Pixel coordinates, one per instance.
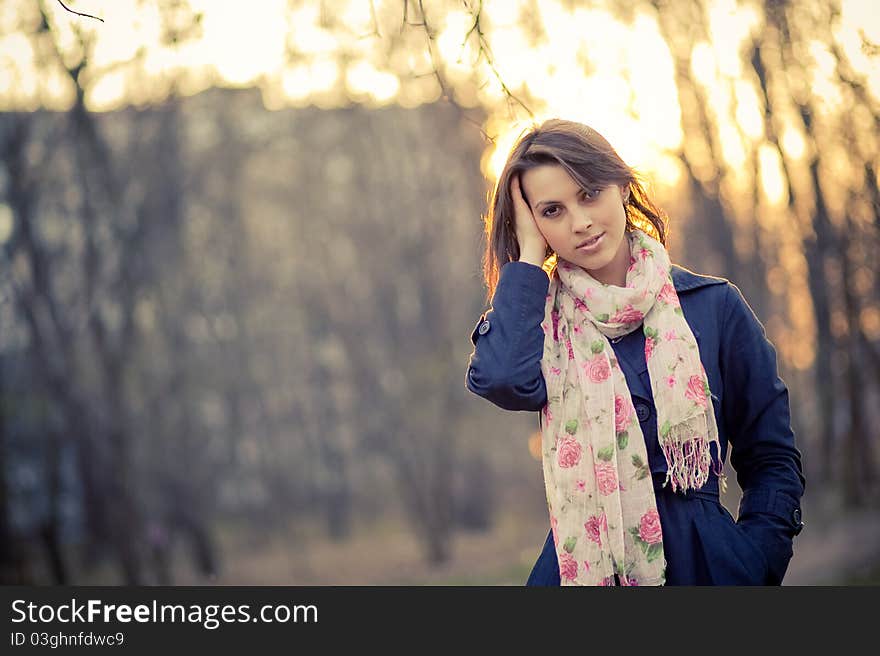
(78, 13)
(486, 52)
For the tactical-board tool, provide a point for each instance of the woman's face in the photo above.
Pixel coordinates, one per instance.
(567, 216)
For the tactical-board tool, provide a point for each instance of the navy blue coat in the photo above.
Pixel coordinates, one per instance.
(702, 542)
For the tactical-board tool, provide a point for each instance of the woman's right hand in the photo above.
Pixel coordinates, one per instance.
(528, 236)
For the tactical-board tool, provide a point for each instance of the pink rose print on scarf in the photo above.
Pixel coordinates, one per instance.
(649, 527)
(570, 349)
(596, 525)
(577, 330)
(622, 413)
(696, 391)
(670, 335)
(580, 305)
(554, 317)
(606, 477)
(667, 295)
(627, 314)
(629, 580)
(553, 524)
(670, 380)
(598, 370)
(568, 566)
(555, 371)
(607, 581)
(581, 485)
(649, 347)
(568, 452)
(548, 415)
(644, 254)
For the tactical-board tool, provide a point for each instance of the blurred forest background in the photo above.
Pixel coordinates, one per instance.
(240, 263)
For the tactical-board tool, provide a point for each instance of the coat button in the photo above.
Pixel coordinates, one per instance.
(643, 411)
(484, 327)
(796, 517)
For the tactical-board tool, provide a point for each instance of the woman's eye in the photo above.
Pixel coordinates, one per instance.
(592, 194)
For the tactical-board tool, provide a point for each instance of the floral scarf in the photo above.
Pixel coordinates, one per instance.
(599, 487)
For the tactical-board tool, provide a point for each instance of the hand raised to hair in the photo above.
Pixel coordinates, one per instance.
(528, 236)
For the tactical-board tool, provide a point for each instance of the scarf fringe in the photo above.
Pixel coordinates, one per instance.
(609, 581)
(688, 459)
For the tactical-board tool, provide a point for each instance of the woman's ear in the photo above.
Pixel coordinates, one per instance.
(624, 193)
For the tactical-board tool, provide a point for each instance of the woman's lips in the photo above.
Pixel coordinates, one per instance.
(589, 248)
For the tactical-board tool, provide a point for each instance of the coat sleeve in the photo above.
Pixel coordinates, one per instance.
(505, 365)
(758, 424)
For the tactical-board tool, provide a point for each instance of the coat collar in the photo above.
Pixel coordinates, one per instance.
(684, 279)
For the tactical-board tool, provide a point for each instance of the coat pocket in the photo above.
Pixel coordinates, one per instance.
(730, 556)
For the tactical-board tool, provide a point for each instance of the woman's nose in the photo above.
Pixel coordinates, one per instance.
(582, 222)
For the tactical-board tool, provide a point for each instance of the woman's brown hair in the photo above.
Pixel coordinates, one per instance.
(590, 160)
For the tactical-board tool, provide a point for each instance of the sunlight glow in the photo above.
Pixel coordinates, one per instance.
(358, 17)
(363, 78)
(821, 83)
(107, 92)
(771, 174)
(503, 12)
(793, 143)
(617, 77)
(242, 42)
(729, 24)
(305, 34)
(16, 56)
(703, 63)
(860, 15)
(504, 141)
(748, 110)
(457, 54)
(302, 80)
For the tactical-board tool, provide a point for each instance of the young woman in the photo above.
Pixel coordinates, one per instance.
(642, 371)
